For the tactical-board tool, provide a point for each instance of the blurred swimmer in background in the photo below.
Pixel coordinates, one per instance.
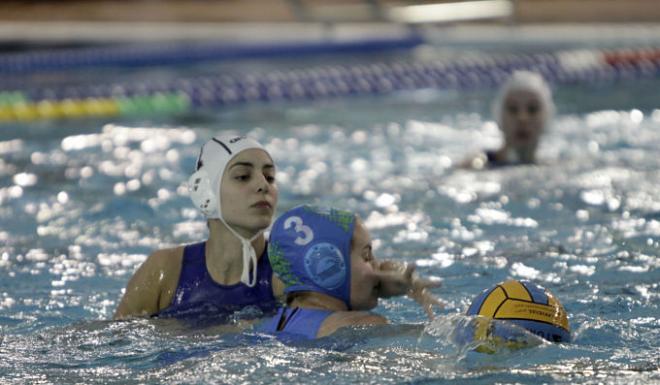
(234, 187)
(522, 109)
(331, 277)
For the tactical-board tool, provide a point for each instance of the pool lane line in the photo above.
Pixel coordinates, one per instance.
(332, 81)
(25, 111)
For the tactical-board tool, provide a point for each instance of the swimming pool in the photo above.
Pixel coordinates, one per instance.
(83, 202)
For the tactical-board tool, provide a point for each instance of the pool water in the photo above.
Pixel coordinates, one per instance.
(82, 203)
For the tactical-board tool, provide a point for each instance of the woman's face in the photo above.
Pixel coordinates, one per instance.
(523, 118)
(364, 294)
(248, 192)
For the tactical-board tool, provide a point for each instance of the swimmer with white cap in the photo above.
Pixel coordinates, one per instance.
(522, 109)
(234, 187)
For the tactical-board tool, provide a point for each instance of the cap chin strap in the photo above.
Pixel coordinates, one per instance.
(249, 274)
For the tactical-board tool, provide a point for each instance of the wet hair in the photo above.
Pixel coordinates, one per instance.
(525, 81)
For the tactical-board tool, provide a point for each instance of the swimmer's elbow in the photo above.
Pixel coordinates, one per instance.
(348, 319)
(124, 313)
(121, 316)
(365, 319)
(372, 319)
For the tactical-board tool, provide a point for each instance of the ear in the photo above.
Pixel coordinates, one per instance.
(202, 194)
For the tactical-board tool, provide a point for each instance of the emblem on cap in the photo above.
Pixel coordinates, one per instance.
(324, 264)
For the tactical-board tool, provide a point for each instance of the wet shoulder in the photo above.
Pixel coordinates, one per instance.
(165, 266)
(166, 259)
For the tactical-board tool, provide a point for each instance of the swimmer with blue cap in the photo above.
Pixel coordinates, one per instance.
(325, 259)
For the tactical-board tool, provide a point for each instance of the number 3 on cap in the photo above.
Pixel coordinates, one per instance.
(299, 227)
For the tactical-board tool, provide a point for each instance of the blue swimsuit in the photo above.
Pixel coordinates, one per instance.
(197, 294)
(296, 322)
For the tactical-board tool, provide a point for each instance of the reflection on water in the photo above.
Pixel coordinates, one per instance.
(81, 207)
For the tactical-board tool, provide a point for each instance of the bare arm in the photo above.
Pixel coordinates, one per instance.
(342, 319)
(278, 288)
(400, 279)
(152, 287)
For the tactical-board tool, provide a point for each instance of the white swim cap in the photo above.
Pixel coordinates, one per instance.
(527, 81)
(204, 184)
(204, 187)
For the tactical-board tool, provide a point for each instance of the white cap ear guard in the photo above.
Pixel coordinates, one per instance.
(201, 193)
(215, 154)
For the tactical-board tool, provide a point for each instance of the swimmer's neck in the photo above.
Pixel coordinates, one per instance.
(218, 228)
(224, 253)
(312, 300)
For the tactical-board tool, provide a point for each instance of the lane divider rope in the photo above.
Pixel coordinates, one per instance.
(182, 95)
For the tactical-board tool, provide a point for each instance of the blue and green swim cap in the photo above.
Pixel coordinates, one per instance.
(310, 250)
